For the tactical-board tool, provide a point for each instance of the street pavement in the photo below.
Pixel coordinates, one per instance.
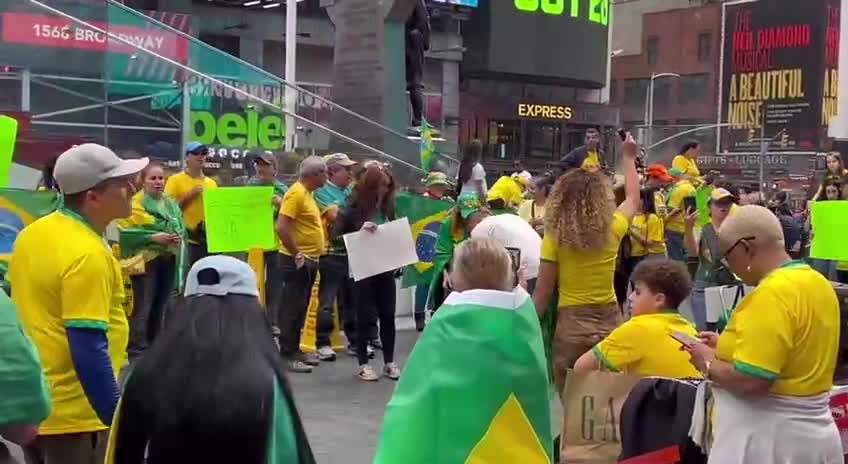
(343, 415)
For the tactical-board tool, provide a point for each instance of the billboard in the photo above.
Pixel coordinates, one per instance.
(539, 41)
(778, 74)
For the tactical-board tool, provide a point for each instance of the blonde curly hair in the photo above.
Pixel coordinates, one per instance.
(580, 209)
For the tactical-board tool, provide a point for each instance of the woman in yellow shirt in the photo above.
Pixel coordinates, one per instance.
(533, 210)
(647, 232)
(687, 161)
(771, 370)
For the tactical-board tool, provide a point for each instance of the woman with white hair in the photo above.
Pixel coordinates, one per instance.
(771, 370)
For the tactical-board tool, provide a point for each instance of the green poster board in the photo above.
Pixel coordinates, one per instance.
(829, 220)
(8, 137)
(702, 201)
(239, 219)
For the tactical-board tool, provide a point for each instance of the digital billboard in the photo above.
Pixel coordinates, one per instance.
(779, 74)
(457, 2)
(540, 41)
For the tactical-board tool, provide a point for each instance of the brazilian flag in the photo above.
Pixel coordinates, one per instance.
(425, 216)
(475, 387)
(18, 209)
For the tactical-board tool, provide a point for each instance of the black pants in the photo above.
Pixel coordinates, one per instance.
(375, 296)
(274, 284)
(415, 74)
(335, 287)
(195, 252)
(294, 301)
(842, 276)
(151, 292)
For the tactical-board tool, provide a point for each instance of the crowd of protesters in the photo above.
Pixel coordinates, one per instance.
(773, 363)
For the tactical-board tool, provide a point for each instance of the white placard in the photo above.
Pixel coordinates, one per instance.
(388, 248)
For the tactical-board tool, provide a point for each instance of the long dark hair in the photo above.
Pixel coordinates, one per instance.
(831, 184)
(649, 206)
(365, 195)
(470, 156)
(204, 392)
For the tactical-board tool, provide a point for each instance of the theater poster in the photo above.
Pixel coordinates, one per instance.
(779, 72)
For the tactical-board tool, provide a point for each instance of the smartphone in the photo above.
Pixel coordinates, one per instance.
(684, 339)
(515, 258)
(689, 203)
(623, 134)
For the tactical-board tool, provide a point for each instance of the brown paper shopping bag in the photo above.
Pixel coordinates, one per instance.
(591, 405)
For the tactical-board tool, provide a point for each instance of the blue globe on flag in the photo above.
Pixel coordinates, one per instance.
(11, 224)
(425, 243)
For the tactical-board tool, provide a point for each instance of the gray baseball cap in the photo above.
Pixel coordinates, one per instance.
(221, 275)
(84, 166)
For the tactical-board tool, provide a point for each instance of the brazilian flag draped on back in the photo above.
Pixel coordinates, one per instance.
(425, 216)
(18, 209)
(475, 387)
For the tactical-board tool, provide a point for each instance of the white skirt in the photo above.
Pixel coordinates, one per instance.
(774, 429)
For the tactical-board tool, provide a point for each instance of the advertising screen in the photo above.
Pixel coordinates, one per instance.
(457, 2)
(779, 70)
(544, 41)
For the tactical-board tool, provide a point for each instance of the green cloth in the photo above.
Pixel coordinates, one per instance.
(475, 386)
(710, 268)
(26, 395)
(444, 250)
(330, 194)
(282, 443)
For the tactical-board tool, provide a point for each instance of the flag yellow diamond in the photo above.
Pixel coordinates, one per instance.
(509, 439)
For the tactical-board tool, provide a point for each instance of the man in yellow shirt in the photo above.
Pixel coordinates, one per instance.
(587, 157)
(687, 161)
(186, 188)
(68, 290)
(675, 225)
(303, 241)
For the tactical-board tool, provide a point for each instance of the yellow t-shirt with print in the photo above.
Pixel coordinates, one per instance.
(77, 282)
(659, 204)
(586, 277)
(299, 204)
(679, 191)
(650, 229)
(178, 186)
(592, 162)
(786, 330)
(688, 166)
(643, 346)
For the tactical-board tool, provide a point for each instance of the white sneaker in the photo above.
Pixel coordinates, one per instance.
(325, 353)
(367, 373)
(391, 371)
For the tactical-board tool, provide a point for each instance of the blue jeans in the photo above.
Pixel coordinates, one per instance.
(674, 244)
(698, 302)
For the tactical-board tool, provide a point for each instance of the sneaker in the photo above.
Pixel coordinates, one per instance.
(351, 351)
(391, 371)
(310, 359)
(376, 344)
(325, 353)
(299, 367)
(367, 373)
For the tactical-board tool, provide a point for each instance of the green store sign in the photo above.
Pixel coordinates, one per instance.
(238, 130)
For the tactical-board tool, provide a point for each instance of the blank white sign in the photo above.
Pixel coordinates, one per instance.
(388, 248)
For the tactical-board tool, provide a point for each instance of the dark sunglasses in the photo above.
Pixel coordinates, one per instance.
(730, 250)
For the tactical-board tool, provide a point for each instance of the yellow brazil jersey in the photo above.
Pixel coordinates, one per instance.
(786, 330)
(659, 204)
(179, 185)
(651, 230)
(678, 192)
(688, 166)
(299, 204)
(643, 346)
(76, 282)
(592, 162)
(586, 277)
(507, 189)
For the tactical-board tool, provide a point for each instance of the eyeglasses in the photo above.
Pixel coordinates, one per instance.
(730, 250)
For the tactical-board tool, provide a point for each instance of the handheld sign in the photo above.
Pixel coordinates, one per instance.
(8, 137)
(829, 220)
(239, 219)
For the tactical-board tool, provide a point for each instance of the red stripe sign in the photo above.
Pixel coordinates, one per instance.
(58, 32)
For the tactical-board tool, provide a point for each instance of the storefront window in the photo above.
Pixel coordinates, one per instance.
(543, 140)
(504, 139)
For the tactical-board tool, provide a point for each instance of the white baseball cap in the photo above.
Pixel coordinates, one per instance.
(84, 166)
(221, 275)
